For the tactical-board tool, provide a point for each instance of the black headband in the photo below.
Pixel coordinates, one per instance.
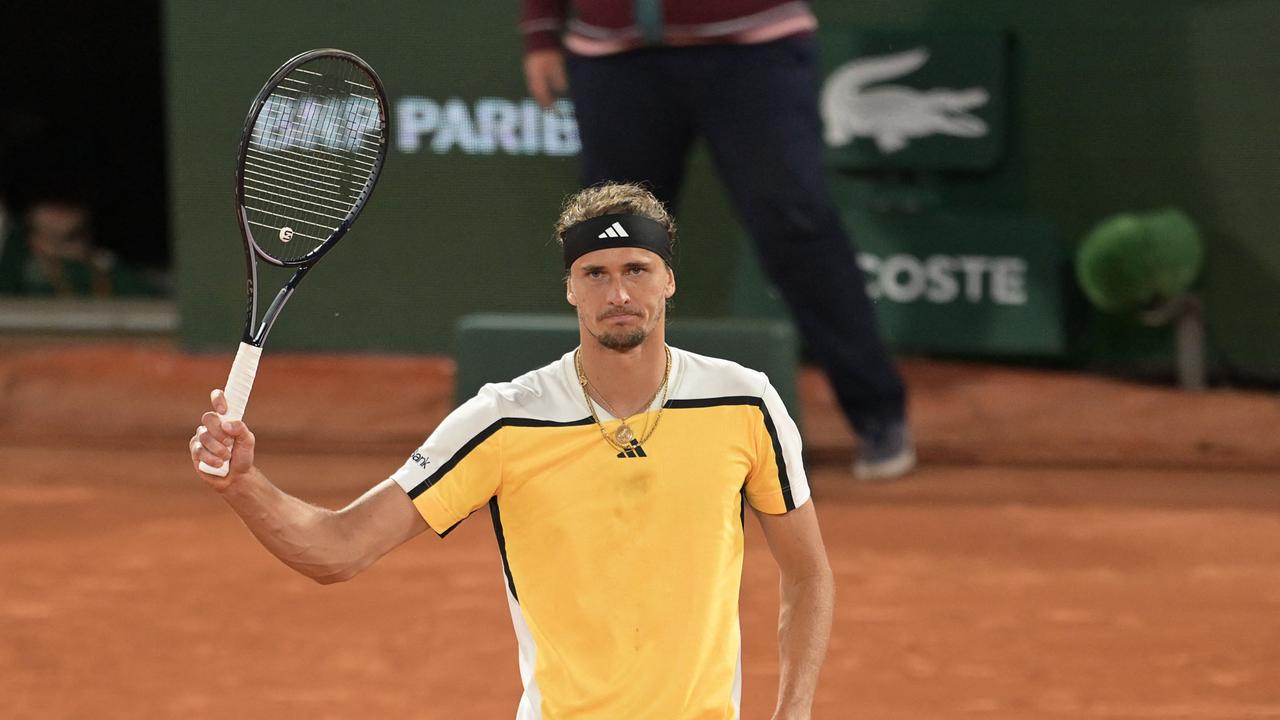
(615, 231)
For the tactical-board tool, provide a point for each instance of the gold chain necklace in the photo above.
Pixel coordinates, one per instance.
(624, 435)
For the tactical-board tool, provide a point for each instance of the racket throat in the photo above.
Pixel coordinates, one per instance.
(273, 310)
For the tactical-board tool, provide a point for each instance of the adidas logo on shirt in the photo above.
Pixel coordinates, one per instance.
(632, 451)
(615, 230)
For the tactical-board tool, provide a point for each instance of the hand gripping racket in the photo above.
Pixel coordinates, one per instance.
(313, 145)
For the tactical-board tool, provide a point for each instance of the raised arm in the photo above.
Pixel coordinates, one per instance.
(807, 600)
(325, 545)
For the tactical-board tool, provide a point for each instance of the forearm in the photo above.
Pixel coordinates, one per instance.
(804, 626)
(305, 537)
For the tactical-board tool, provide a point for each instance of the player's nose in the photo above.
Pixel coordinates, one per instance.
(618, 294)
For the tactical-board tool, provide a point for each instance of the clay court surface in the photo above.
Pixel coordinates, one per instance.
(1073, 547)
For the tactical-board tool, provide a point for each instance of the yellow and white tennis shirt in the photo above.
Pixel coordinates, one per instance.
(622, 569)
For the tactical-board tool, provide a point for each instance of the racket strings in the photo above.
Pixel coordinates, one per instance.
(311, 157)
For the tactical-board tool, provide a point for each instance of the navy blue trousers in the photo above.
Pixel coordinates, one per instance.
(756, 108)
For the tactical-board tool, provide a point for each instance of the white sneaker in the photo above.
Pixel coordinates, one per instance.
(885, 456)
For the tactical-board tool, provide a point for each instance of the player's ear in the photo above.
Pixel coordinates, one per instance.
(671, 282)
(568, 292)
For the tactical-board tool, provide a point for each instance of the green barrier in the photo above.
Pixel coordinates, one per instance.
(496, 347)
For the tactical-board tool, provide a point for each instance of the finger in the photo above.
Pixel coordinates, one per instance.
(212, 422)
(233, 428)
(244, 437)
(201, 455)
(221, 448)
(219, 401)
(242, 457)
(209, 458)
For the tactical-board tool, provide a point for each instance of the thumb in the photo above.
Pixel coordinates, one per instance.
(236, 429)
(242, 451)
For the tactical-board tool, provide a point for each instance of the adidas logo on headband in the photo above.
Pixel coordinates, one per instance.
(614, 230)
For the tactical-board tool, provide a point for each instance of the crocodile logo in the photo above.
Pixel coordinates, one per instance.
(893, 115)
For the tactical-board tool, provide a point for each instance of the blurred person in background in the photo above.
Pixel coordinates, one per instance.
(63, 260)
(648, 77)
(51, 252)
(49, 248)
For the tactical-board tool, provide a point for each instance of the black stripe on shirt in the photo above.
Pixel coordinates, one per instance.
(758, 402)
(502, 545)
(455, 525)
(480, 437)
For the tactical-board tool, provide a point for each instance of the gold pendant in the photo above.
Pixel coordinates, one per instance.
(624, 435)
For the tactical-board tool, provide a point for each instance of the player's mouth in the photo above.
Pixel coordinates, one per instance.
(620, 316)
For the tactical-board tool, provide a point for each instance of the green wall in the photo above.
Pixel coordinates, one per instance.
(1135, 105)
(442, 235)
(1123, 105)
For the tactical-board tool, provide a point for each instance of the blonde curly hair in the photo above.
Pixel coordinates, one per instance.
(609, 198)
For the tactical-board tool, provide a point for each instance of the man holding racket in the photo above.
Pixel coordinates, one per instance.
(617, 478)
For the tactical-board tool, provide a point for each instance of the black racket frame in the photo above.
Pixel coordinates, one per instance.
(304, 264)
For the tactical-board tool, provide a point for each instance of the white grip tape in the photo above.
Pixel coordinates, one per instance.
(239, 384)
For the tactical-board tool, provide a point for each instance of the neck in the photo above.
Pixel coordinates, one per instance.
(624, 380)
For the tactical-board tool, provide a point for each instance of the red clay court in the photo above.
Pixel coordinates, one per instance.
(1072, 547)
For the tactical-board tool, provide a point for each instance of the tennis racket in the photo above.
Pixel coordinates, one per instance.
(313, 145)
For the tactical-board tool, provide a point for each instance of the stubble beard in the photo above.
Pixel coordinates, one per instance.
(621, 341)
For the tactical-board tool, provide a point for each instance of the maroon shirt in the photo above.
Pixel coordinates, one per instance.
(602, 27)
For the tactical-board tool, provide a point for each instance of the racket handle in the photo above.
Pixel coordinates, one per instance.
(239, 384)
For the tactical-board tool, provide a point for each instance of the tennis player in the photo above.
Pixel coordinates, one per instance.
(617, 477)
